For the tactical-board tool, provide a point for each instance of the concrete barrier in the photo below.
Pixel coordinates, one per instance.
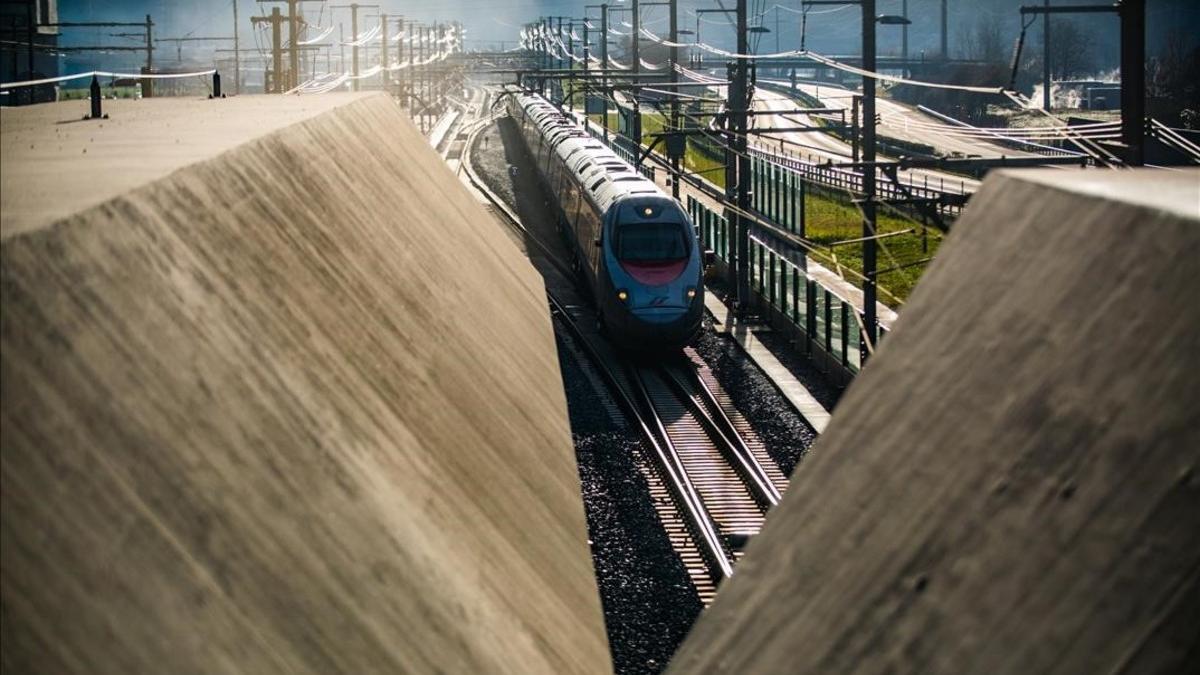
(282, 400)
(1012, 485)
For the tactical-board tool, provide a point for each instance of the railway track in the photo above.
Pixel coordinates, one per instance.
(710, 478)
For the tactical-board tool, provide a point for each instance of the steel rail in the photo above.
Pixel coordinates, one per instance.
(721, 429)
(683, 493)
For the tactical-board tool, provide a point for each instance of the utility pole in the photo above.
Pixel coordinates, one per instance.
(604, 67)
(904, 36)
(945, 43)
(855, 104)
(635, 45)
(354, 7)
(870, 321)
(738, 106)
(354, 39)
(543, 62)
(558, 61)
(276, 51)
(587, 62)
(383, 50)
(570, 62)
(409, 74)
(148, 84)
(405, 27)
(674, 33)
(1133, 79)
(423, 75)
(293, 48)
(237, 61)
(31, 22)
(276, 21)
(1132, 14)
(1046, 59)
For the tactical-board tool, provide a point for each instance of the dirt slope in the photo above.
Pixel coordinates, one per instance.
(293, 407)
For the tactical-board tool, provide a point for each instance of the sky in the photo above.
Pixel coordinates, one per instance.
(495, 23)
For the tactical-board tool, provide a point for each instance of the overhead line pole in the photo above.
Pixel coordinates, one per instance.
(945, 41)
(353, 36)
(275, 19)
(674, 31)
(293, 52)
(148, 84)
(237, 59)
(739, 104)
(1046, 59)
(868, 205)
(870, 279)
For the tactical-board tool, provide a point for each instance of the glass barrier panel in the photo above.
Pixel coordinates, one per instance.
(854, 338)
(837, 335)
(797, 297)
(772, 282)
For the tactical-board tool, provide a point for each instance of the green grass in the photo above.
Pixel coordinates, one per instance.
(831, 219)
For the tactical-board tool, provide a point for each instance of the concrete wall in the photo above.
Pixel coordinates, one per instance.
(290, 407)
(1012, 485)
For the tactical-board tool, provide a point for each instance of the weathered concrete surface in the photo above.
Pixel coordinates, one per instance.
(293, 407)
(60, 164)
(1012, 485)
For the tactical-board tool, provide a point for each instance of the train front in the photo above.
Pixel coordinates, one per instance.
(653, 291)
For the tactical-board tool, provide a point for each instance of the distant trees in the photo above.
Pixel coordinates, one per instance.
(1173, 91)
(986, 42)
(965, 105)
(1070, 50)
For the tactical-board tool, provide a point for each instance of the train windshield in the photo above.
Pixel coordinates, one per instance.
(651, 242)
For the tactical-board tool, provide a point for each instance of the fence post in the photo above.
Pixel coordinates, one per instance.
(845, 330)
(810, 315)
(94, 92)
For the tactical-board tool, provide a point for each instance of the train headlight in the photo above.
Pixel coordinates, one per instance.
(691, 293)
(623, 295)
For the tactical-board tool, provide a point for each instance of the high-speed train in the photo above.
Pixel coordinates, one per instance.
(636, 248)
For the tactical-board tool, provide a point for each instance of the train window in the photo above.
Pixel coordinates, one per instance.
(646, 242)
(597, 184)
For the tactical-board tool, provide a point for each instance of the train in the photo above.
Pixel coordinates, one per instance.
(635, 248)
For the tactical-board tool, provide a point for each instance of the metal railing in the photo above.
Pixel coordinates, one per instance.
(830, 324)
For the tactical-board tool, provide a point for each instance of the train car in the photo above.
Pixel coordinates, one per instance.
(636, 249)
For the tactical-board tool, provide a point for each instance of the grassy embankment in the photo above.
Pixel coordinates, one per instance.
(833, 218)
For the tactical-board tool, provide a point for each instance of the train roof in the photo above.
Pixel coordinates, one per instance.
(605, 177)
